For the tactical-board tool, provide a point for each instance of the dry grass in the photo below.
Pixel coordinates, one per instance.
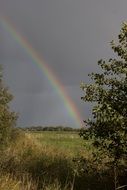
(32, 163)
(7, 182)
(29, 165)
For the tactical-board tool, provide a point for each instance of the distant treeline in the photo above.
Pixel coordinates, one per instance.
(51, 128)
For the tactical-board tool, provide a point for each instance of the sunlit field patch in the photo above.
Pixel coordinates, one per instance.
(66, 141)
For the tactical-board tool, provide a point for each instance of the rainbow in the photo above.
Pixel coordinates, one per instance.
(51, 76)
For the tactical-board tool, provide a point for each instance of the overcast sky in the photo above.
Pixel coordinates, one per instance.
(71, 35)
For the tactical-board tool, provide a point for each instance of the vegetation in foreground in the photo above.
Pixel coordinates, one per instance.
(36, 161)
(108, 93)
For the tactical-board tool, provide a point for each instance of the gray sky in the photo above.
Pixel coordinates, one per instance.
(71, 35)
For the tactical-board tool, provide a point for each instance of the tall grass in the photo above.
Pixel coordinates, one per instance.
(43, 165)
(50, 161)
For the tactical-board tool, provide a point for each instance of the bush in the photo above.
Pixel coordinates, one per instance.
(7, 117)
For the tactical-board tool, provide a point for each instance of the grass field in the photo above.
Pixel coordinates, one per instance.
(51, 161)
(69, 142)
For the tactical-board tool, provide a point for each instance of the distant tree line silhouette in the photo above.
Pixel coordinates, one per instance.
(51, 128)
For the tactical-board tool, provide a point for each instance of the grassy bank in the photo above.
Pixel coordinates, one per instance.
(51, 161)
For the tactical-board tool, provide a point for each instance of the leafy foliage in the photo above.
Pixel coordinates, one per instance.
(108, 92)
(7, 118)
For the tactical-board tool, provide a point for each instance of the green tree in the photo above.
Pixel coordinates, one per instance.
(7, 118)
(108, 93)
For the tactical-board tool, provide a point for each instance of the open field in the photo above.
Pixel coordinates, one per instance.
(69, 142)
(51, 161)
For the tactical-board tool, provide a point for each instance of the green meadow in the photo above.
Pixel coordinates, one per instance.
(64, 141)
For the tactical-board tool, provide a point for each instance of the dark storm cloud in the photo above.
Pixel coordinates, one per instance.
(68, 32)
(71, 35)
